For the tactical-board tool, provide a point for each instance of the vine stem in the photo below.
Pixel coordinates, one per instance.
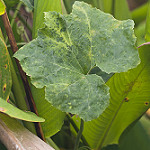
(14, 48)
(77, 130)
(79, 135)
(113, 7)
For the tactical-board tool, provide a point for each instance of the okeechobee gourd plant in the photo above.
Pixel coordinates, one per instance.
(66, 51)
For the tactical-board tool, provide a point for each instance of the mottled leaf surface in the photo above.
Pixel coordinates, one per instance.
(5, 74)
(68, 48)
(14, 112)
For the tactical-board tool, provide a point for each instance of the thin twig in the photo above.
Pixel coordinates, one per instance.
(14, 48)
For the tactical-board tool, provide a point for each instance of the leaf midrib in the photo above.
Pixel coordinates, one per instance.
(109, 125)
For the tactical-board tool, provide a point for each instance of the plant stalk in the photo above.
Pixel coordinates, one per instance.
(14, 48)
(79, 135)
(113, 7)
(77, 130)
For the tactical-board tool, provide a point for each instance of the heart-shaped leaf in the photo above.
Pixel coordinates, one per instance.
(67, 50)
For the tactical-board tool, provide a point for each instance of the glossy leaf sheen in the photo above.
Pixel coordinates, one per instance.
(67, 49)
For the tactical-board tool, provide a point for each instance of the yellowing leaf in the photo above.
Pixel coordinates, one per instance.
(2, 7)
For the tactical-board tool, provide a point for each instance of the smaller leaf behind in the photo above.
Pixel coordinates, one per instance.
(29, 3)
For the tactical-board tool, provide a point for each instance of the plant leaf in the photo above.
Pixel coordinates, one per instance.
(40, 8)
(122, 11)
(147, 35)
(135, 138)
(14, 112)
(29, 3)
(5, 74)
(2, 7)
(130, 98)
(54, 118)
(67, 49)
(51, 125)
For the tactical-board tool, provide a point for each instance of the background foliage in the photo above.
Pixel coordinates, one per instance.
(120, 126)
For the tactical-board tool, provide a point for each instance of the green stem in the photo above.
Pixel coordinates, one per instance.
(51, 143)
(13, 19)
(77, 130)
(24, 22)
(79, 135)
(19, 44)
(113, 8)
(26, 36)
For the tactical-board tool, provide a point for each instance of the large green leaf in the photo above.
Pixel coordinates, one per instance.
(40, 7)
(130, 97)
(5, 74)
(67, 49)
(14, 112)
